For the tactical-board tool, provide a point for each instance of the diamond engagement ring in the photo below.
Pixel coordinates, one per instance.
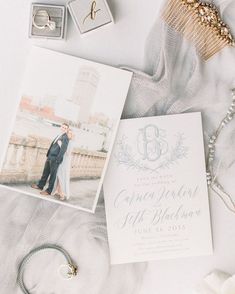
(42, 20)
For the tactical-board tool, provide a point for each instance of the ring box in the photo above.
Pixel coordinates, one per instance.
(56, 13)
(89, 15)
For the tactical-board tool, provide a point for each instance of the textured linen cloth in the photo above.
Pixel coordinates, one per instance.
(176, 81)
(27, 222)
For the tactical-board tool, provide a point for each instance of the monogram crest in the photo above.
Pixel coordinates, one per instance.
(153, 150)
(151, 144)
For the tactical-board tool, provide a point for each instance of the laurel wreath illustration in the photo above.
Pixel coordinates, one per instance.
(124, 156)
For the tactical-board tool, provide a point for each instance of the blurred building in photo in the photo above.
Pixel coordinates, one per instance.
(84, 92)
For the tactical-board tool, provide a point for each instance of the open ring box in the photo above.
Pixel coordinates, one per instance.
(41, 14)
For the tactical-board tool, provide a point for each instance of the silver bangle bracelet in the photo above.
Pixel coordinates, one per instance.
(71, 268)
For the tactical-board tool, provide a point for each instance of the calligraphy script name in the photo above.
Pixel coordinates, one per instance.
(126, 199)
(157, 215)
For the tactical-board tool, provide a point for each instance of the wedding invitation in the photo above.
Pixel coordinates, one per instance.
(155, 190)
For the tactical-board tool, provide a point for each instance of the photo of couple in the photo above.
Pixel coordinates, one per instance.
(63, 129)
(57, 166)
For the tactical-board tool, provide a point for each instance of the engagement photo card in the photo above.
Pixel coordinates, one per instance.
(61, 136)
(155, 190)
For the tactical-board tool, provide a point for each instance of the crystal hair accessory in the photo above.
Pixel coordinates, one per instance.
(67, 271)
(200, 23)
(212, 180)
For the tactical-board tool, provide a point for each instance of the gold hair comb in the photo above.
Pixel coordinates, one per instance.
(200, 23)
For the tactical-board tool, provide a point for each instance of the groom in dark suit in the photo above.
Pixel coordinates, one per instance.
(55, 155)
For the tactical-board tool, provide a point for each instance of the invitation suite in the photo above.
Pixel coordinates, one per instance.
(62, 128)
(155, 190)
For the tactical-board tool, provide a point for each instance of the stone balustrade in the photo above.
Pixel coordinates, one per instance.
(25, 160)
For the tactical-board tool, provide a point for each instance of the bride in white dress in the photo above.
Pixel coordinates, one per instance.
(62, 182)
